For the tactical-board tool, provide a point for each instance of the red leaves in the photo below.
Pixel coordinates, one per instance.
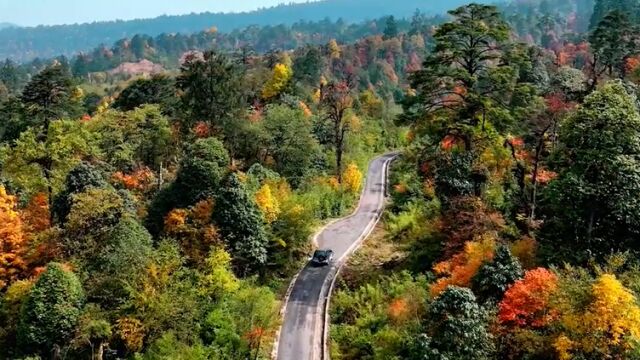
(526, 302)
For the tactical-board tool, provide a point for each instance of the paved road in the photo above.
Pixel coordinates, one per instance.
(301, 336)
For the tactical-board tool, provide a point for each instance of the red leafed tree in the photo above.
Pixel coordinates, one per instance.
(525, 304)
(12, 240)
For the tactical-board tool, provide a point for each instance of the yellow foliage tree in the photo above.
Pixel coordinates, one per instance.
(132, 332)
(608, 328)
(334, 49)
(352, 178)
(279, 79)
(12, 240)
(268, 203)
(218, 278)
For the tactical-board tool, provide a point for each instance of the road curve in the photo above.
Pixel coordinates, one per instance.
(302, 335)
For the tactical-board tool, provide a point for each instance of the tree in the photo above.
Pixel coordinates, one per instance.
(267, 203)
(41, 164)
(307, 67)
(290, 142)
(130, 140)
(463, 267)
(51, 312)
(391, 28)
(526, 303)
(13, 245)
(121, 254)
(591, 204)
(280, 79)
(159, 89)
(613, 41)
(456, 328)
(48, 96)
(201, 170)
(352, 178)
(241, 225)
(460, 77)
(212, 89)
(80, 179)
(496, 276)
(336, 100)
(608, 327)
(604, 7)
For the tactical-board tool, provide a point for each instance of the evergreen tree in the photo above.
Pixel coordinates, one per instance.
(602, 8)
(456, 329)
(48, 96)
(460, 78)
(241, 225)
(391, 28)
(51, 312)
(212, 89)
(495, 277)
(159, 89)
(613, 40)
(201, 170)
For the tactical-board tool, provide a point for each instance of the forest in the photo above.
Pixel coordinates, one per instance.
(28, 43)
(162, 216)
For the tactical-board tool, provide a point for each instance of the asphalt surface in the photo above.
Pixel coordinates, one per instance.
(301, 335)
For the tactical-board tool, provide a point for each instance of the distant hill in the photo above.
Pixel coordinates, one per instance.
(24, 44)
(4, 25)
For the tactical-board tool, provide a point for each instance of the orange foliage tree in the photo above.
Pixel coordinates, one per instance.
(12, 240)
(193, 229)
(462, 267)
(526, 302)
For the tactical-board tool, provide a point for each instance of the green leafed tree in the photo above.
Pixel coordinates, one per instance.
(201, 170)
(80, 179)
(613, 41)
(241, 225)
(592, 205)
(290, 142)
(495, 277)
(212, 89)
(157, 90)
(457, 329)
(51, 312)
(466, 73)
(50, 95)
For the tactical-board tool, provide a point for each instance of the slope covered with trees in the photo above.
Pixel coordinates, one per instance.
(48, 41)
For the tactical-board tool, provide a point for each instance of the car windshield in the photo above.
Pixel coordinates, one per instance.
(320, 254)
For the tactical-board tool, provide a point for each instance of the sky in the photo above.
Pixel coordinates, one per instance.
(53, 12)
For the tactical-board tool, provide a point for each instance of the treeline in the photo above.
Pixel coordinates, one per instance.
(515, 222)
(25, 44)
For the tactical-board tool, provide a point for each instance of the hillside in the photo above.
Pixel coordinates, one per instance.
(23, 44)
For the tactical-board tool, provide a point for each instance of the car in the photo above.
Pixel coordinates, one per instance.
(322, 257)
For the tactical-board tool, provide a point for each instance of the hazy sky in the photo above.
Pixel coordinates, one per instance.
(48, 12)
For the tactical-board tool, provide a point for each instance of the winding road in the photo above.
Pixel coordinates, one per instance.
(304, 331)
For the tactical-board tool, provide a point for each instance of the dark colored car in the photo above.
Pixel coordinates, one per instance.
(322, 257)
